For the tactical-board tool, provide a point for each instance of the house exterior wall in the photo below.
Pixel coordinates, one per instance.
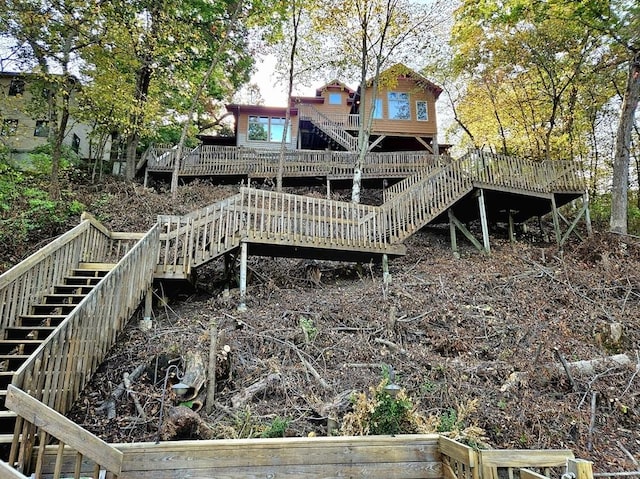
(411, 126)
(243, 129)
(24, 139)
(328, 108)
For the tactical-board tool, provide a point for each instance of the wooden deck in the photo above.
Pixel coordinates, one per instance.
(50, 376)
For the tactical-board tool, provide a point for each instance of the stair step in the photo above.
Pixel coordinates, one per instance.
(37, 320)
(7, 422)
(11, 362)
(28, 332)
(97, 266)
(56, 298)
(81, 280)
(18, 346)
(6, 438)
(73, 288)
(57, 309)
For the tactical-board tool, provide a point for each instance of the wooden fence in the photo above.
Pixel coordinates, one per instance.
(429, 456)
(63, 364)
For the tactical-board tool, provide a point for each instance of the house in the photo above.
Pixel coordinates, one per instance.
(404, 117)
(23, 128)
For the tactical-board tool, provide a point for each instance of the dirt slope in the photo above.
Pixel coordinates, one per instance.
(454, 330)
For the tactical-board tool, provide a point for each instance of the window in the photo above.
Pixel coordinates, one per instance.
(42, 128)
(16, 87)
(398, 106)
(9, 128)
(377, 109)
(75, 143)
(335, 98)
(264, 128)
(258, 128)
(422, 113)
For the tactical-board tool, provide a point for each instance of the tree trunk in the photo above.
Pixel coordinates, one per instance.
(620, 182)
(142, 89)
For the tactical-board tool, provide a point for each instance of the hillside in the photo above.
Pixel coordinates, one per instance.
(475, 341)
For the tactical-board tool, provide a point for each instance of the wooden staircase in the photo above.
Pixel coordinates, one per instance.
(332, 130)
(30, 330)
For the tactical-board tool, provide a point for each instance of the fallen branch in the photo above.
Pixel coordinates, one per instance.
(391, 345)
(126, 380)
(109, 405)
(239, 400)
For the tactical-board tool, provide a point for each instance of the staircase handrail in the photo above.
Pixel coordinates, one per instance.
(52, 423)
(61, 366)
(425, 200)
(29, 280)
(331, 128)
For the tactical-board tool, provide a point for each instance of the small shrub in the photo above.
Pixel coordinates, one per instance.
(277, 428)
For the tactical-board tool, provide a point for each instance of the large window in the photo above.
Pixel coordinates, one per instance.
(16, 87)
(335, 99)
(264, 128)
(9, 128)
(398, 106)
(422, 113)
(42, 128)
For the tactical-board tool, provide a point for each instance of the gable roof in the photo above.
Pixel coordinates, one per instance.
(334, 84)
(400, 70)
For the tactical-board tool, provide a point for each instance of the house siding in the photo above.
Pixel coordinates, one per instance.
(409, 127)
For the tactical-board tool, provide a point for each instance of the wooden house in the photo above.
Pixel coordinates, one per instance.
(403, 117)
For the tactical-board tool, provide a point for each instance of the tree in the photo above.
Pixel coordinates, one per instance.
(367, 37)
(52, 36)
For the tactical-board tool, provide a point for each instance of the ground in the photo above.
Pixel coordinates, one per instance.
(477, 340)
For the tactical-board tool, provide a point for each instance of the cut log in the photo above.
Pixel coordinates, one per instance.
(194, 374)
(587, 368)
(184, 423)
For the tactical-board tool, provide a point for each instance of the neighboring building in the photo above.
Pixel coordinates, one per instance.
(404, 117)
(22, 132)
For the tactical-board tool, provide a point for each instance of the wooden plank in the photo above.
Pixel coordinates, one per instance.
(8, 472)
(62, 428)
(458, 451)
(525, 457)
(529, 474)
(258, 453)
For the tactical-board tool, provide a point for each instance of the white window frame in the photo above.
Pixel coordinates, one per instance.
(268, 125)
(426, 110)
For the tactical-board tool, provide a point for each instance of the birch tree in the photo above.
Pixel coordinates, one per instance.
(363, 38)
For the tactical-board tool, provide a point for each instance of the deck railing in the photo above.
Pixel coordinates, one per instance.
(212, 160)
(333, 129)
(36, 276)
(62, 365)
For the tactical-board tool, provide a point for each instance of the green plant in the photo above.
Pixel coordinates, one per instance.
(448, 421)
(277, 428)
(308, 329)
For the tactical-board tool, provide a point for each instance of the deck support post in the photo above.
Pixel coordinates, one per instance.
(145, 323)
(243, 277)
(512, 232)
(386, 276)
(452, 233)
(483, 222)
(556, 220)
(587, 214)
(328, 188)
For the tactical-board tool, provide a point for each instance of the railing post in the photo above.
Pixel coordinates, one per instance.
(579, 469)
(484, 222)
(243, 277)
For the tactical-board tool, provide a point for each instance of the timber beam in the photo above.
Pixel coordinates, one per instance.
(455, 223)
(561, 238)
